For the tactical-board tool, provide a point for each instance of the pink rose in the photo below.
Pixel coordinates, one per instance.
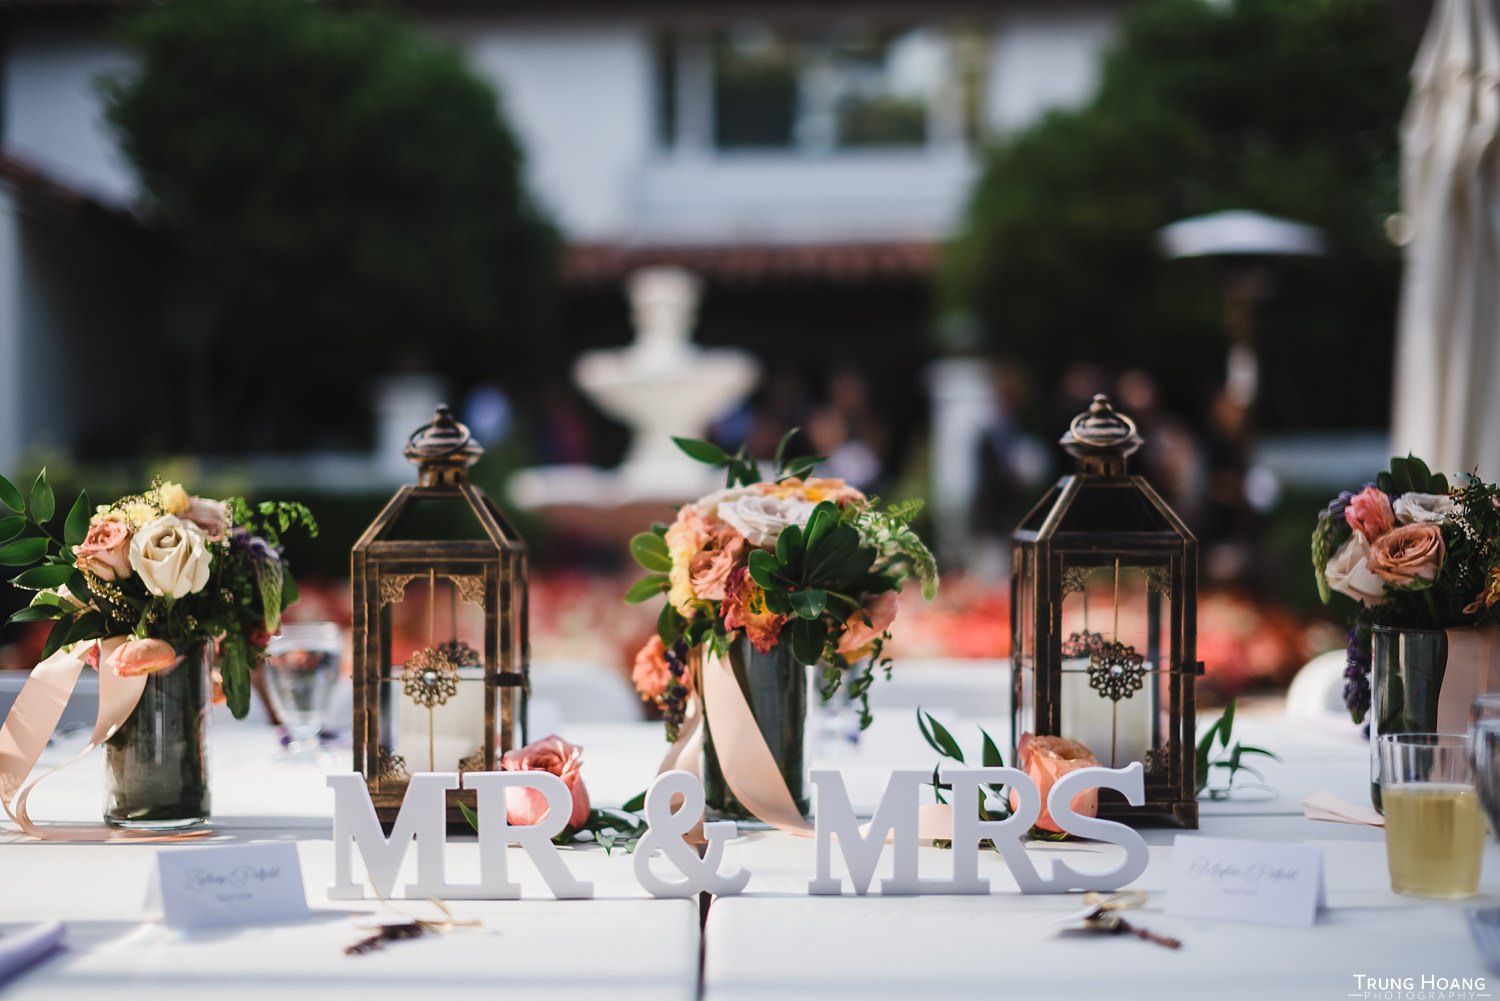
(1047, 759)
(651, 674)
(210, 515)
(105, 551)
(1408, 554)
(551, 754)
(709, 569)
(136, 657)
(867, 624)
(1369, 513)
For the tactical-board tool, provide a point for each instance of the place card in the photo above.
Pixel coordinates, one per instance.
(1264, 882)
(230, 885)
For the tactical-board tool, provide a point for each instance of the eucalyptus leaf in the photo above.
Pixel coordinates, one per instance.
(704, 451)
(650, 551)
(11, 497)
(647, 588)
(42, 504)
(76, 528)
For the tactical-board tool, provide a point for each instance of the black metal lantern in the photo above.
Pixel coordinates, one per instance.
(1104, 615)
(440, 644)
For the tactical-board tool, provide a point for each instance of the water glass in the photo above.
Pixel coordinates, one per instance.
(1434, 833)
(302, 669)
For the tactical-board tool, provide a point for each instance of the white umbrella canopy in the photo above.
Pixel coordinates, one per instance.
(1447, 380)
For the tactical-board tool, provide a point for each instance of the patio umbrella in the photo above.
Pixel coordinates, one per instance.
(1447, 384)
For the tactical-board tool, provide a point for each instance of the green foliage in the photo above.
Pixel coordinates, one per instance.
(995, 803)
(1230, 759)
(739, 468)
(1279, 106)
(335, 186)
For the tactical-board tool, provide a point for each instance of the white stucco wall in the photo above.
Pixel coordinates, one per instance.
(54, 112)
(581, 97)
(1044, 58)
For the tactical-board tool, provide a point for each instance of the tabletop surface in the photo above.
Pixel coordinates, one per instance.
(774, 940)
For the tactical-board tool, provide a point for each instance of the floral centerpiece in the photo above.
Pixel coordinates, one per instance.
(1412, 552)
(771, 576)
(157, 584)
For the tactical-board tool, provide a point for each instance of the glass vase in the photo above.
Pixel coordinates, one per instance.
(1406, 675)
(157, 762)
(775, 687)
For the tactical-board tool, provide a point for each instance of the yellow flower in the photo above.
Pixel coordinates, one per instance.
(138, 513)
(173, 499)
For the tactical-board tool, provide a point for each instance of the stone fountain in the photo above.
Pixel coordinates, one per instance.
(659, 386)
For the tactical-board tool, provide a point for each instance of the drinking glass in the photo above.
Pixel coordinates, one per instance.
(302, 668)
(1484, 753)
(1434, 834)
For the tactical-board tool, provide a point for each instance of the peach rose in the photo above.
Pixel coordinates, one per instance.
(709, 570)
(865, 625)
(105, 551)
(1408, 554)
(550, 754)
(745, 608)
(136, 657)
(1047, 759)
(652, 674)
(685, 537)
(815, 489)
(1369, 513)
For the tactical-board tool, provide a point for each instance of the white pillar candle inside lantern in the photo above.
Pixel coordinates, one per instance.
(1117, 732)
(457, 726)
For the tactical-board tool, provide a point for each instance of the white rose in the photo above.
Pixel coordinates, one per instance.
(1414, 508)
(760, 519)
(709, 505)
(1349, 573)
(171, 556)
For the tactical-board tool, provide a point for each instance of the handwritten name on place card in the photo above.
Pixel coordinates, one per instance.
(230, 885)
(1257, 881)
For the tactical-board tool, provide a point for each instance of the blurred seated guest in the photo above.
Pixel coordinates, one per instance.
(1169, 459)
(849, 432)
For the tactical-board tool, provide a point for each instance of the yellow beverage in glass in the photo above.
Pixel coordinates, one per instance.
(1434, 838)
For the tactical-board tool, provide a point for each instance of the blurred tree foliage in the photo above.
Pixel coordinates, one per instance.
(345, 199)
(1288, 107)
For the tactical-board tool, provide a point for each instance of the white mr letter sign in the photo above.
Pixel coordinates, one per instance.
(422, 820)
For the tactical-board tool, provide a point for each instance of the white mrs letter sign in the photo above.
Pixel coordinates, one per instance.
(423, 811)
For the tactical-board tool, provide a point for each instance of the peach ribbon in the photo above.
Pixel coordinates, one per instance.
(747, 763)
(32, 721)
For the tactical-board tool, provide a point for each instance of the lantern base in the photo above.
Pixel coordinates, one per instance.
(1181, 815)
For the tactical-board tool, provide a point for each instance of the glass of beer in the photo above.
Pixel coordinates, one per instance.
(1434, 831)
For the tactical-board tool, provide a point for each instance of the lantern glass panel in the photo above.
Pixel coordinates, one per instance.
(1023, 637)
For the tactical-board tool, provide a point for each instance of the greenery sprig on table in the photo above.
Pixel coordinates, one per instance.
(225, 582)
(1230, 757)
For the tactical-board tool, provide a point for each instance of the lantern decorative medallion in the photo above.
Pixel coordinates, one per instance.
(440, 645)
(1104, 619)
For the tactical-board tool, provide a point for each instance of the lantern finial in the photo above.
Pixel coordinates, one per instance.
(1101, 438)
(443, 450)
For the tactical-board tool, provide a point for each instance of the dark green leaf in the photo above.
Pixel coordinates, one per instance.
(470, 817)
(76, 528)
(669, 625)
(35, 613)
(647, 588)
(789, 547)
(11, 527)
(824, 517)
(1438, 484)
(56, 637)
(289, 591)
(809, 604)
(659, 528)
(1421, 476)
(10, 496)
(650, 551)
(43, 578)
(990, 757)
(88, 626)
(704, 451)
(78, 586)
(1228, 720)
(946, 744)
(1385, 482)
(636, 803)
(927, 736)
(235, 673)
(802, 465)
(808, 637)
(778, 602)
(763, 567)
(42, 505)
(1249, 749)
(22, 552)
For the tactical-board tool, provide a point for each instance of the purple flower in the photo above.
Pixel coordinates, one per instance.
(1357, 675)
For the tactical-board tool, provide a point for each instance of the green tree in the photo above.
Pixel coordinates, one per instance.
(343, 197)
(1288, 107)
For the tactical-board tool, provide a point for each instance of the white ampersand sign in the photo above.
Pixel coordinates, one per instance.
(664, 837)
